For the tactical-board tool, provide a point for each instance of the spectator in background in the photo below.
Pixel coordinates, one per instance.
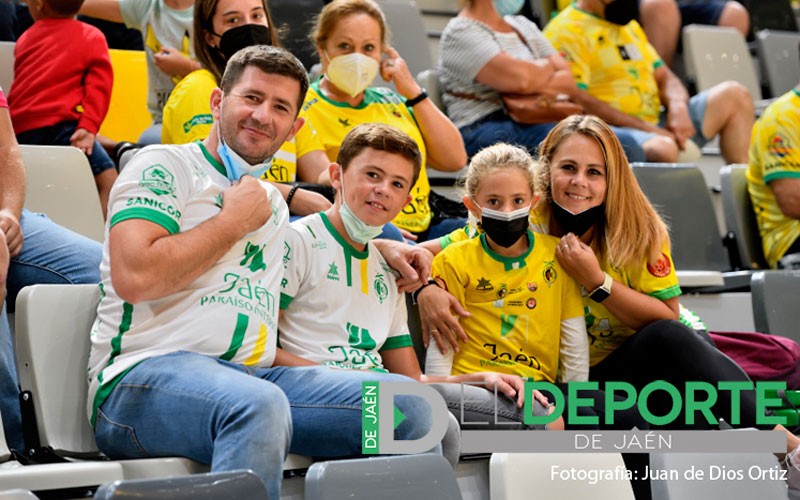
(490, 59)
(39, 252)
(624, 81)
(773, 179)
(62, 86)
(351, 37)
(224, 27)
(166, 27)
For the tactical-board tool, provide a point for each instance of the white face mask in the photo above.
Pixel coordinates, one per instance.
(358, 230)
(236, 166)
(352, 73)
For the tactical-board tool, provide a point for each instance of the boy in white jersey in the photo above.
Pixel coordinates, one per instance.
(183, 350)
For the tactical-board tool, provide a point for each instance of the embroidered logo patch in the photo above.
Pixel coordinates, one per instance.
(661, 268)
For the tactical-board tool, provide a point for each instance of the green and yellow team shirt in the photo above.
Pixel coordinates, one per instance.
(613, 63)
(340, 306)
(187, 118)
(775, 154)
(228, 312)
(327, 122)
(516, 306)
(606, 332)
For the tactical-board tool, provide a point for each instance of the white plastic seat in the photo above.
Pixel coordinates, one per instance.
(740, 218)
(60, 184)
(514, 476)
(6, 66)
(714, 54)
(775, 295)
(779, 57)
(52, 346)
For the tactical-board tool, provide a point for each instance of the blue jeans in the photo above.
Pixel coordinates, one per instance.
(497, 127)
(50, 254)
(151, 135)
(235, 417)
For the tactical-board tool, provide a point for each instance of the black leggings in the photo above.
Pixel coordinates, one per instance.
(667, 350)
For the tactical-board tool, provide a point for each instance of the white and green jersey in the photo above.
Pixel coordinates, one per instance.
(340, 307)
(229, 312)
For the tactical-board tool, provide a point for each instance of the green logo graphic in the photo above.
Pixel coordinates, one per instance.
(287, 254)
(158, 180)
(360, 338)
(381, 290)
(333, 272)
(254, 254)
(507, 322)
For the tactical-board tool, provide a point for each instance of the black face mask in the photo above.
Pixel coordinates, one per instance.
(577, 224)
(622, 11)
(243, 36)
(504, 231)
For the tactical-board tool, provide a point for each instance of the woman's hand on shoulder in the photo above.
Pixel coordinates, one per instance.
(394, 69)
(579, 261)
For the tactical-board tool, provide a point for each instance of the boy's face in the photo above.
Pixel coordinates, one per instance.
(376, 185)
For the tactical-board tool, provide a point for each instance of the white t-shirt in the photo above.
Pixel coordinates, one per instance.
(340, 306)
(229, 312)
(161, 26)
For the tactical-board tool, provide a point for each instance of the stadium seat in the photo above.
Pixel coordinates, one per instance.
(714, 54)
(60, 184)
(740, 218)
(127, 113)
(390, 478)
(514, 476)
(17, 494)
(429, 79)
(779, 57)
(49, 477)
(775, 295)
(680, 194)
(721, 480)
(6, 66)
(52, 346)
(239, 485)
(409, 36)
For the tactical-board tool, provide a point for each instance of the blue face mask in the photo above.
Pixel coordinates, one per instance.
(236, 166)
(508, 7)
(358, 230)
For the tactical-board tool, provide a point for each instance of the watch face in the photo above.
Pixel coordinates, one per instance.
(599, 295)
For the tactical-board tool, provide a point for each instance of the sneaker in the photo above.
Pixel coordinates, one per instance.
(792, 464)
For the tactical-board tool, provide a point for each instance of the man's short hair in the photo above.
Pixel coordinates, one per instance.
(380, 137)
(64, 7)
(270, 60)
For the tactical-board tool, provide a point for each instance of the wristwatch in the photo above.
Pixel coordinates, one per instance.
(602, 292)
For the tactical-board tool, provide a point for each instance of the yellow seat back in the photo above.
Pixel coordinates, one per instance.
(127, 115)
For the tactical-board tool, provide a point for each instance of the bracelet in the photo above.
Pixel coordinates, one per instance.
(416, 292)
(416, 100)
(291, 195)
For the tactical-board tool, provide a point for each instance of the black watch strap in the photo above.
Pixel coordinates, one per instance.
(416, 292)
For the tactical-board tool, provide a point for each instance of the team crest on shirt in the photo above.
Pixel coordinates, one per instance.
(254, 254)
(532, 287)
(158, 180)
(549, 274)
(778, 145)
(531, 303)
(381, 289)
(287, 254)
(484, 285)
(333, 272)
(661, 268)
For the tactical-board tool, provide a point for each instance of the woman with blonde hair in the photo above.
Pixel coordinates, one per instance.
(616, 246)
(352, 39)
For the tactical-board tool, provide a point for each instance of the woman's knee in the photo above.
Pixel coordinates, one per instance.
(661, 149)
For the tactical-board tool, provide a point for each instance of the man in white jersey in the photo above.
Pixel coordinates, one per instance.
(191, 272)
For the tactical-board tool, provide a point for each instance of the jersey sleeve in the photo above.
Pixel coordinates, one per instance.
(657, 279)
(445, 271)
(98, 81)
(295, 261)
(134, 12)
(187, 113)
(779, 148)
(152, 187)
(307, 138)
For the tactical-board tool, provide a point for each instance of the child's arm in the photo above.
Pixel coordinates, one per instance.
(102, 9)
(574, 350)
(402, 360)
(174, 63)
(83, 140)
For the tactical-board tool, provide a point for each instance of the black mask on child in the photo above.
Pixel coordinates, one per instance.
(505, 228)
(622, 11)
(577, 224)
(243, 36)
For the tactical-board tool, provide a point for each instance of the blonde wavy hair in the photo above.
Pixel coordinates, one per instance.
(632, 229)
